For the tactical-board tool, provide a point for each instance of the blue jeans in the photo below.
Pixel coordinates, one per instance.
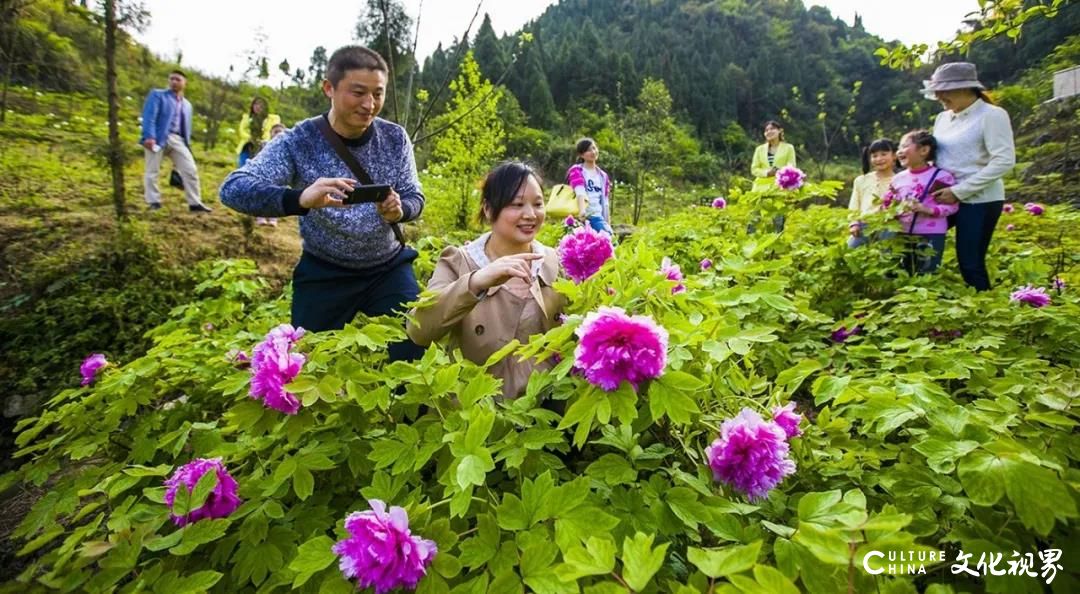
(974, 227)
(327, 296)
(918, 259)
(599, 224)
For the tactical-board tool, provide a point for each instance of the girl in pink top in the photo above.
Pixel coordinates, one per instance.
(923, 220)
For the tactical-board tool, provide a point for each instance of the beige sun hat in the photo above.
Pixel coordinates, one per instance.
(954, 75)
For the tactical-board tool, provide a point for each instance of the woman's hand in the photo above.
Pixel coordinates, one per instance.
(945, 196)
(771, 172)
(502, 270)
(326, 191)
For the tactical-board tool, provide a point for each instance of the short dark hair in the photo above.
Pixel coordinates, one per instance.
(923, 137)
(583, 145)
(774, 124)
(353, 57)
(178, 71)
(881, 145)
(502, 185)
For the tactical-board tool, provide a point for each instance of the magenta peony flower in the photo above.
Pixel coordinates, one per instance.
(842, 334)
(381, 552)
(273, 366)
(790, 178)
(719, 202)
(1033, 209)
(751, 455)
(706, 264)
(1008, 208)
(569, 221)
(1033, 296)
(1058, 284)
(221, 501)
(90, 366)
(788, 419)
(673, 273)
(1010, 227)
(583, 252)
(615, 347)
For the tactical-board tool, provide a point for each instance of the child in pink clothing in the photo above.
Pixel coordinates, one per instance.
(922, 219)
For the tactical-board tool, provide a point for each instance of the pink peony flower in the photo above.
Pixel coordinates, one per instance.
(381, 552)
(1010, 227)
(719, 202)
(90, 366)
(1008, 208)
(583, 252)
(706, 264)
(788, 419)
(673, 273)
(1033, 209)
(790, 178)
(222, 499)
(615, 347)
(569, 221)
(1058, 284)
(1033, 296)
(273, 366)
(751, 455)
(842, 334)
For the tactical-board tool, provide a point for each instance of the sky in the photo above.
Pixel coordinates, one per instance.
(213, 35)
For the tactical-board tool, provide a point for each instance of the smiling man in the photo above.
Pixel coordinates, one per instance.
(355, 259)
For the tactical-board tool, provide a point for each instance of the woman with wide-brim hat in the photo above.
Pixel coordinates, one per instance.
(975, 144)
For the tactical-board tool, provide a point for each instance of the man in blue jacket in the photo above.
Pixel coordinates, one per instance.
(166, 132)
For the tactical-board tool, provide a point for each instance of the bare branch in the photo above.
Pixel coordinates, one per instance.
(449, 75)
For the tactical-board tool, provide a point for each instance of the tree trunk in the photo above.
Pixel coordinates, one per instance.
(116, 150)
(9, 67)
(409, 85)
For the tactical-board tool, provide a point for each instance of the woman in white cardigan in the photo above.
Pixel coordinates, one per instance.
(975, 144)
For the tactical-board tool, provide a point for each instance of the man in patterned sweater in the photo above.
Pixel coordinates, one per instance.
(353, 261)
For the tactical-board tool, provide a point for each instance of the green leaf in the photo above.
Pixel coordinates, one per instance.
(941, 454)
(197, 582)
(199, 533)
(685, 505)
(613, 469)
(303, 483)
(1038, 496)
(828, 545)
(511, 514)
(480, 549)
(479, 429)
(815, 506)
(641, 561)
(470, 471)
(983, 476)
(793, 377)
(597, 557)
(312, 557)
(717, 563)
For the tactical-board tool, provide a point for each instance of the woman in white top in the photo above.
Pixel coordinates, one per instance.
(975, 144)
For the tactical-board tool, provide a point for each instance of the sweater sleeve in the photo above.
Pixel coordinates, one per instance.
(450, 300)
(998, 138)
(261, 187)
(785, 157)
(759, 167)
(576, 180)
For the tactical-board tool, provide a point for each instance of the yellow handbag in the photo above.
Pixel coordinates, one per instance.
(561, 202)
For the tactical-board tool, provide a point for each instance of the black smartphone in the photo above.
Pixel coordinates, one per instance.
(372, 193)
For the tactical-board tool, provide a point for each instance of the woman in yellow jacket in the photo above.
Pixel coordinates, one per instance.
(257, 123)
(775, 154)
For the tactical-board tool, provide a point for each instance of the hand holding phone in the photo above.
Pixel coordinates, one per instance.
(367, 193)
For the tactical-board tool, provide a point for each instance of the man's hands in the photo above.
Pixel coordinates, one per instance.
(326, 191)
(502, 270)
(332, 191)
(390, 209)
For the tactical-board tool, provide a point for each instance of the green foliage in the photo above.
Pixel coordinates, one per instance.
(913, 442)
(472, 136)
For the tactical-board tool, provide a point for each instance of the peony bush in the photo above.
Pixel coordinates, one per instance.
(718, 440)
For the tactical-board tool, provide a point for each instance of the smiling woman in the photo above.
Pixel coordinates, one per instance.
(496, 288)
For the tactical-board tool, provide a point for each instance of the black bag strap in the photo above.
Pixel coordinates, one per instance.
(350, 161)
(926, 190)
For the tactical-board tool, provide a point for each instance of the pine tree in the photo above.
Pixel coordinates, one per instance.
(490, 55)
